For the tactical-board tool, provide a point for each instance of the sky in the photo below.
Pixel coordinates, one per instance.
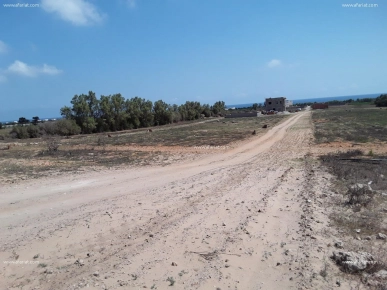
(237, 51)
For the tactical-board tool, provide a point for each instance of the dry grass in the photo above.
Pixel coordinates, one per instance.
(359, 211)
(34, 158)
(350, 123)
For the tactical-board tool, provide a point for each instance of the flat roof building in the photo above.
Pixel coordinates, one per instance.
(275, 104)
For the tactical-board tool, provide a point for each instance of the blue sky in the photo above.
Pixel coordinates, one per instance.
(178, 50)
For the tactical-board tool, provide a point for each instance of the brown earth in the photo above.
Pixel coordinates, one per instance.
(245, 218)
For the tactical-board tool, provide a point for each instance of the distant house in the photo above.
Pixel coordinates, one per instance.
(317, 106)
(288, 103)
(275, 104)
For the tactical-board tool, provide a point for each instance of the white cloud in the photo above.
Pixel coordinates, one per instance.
(50, 70)
(78, 12)
(24, 69)
(3, 47)
(131, 3)
(274, 63)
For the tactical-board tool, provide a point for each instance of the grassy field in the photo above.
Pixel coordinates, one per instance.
(32, 158)
(350, 123)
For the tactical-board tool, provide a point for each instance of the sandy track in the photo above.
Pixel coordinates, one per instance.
(229, 221)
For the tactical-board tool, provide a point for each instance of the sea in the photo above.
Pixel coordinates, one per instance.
(312, 100)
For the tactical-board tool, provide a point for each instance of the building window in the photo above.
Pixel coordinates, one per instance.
(269, 103)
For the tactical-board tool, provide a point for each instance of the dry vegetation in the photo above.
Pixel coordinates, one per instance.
(33, 158)
(359, 208)
(351, 123)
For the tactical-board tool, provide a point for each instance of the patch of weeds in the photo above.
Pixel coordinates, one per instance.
(36, 256)
(154, 286)
(360, 196)
(42, 265)
(134, 276)
(324, 271)
(171, 281)
(182, 273)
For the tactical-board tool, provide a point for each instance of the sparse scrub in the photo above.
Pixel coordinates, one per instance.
(349, 123)
(52, 145)
(171, 281)
(359, 196)
(19, 132)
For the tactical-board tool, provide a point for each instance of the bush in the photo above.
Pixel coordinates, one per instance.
(61, 127)
(48, 128)
(1, 125)
(381, 101)
(52, 144)
(66, 127)
(19, 132)
(33, 131)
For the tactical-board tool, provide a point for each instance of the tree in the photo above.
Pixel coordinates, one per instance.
(84, 109)
(23, 120)
(88, 125)
(381, 101)
(218, 108)
(1, 125)
(65, 112)
(190, 111)
(206, 110)
(255, 106)
(162, 113)
(35, 120)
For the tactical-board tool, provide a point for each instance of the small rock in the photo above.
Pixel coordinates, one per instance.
(358, 231)
(174, 264)
(352, 261)
(79, 262)
(96, 274)
(381, 274)
(227, 265)
(338, 283)
(381, 236)
(339, 244)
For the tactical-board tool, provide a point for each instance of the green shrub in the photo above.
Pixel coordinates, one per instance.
(381, 101)
(19, 132)
(61, 127)
(33, 131)
(65, 127)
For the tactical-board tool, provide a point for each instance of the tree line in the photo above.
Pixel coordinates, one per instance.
(115, 113)
(381, 101)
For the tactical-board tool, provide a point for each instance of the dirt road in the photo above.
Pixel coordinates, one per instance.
(232, 220)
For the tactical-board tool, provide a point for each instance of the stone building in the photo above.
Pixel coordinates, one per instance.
(275, 104)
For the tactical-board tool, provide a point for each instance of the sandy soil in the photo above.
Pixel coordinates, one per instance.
(244, 218)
